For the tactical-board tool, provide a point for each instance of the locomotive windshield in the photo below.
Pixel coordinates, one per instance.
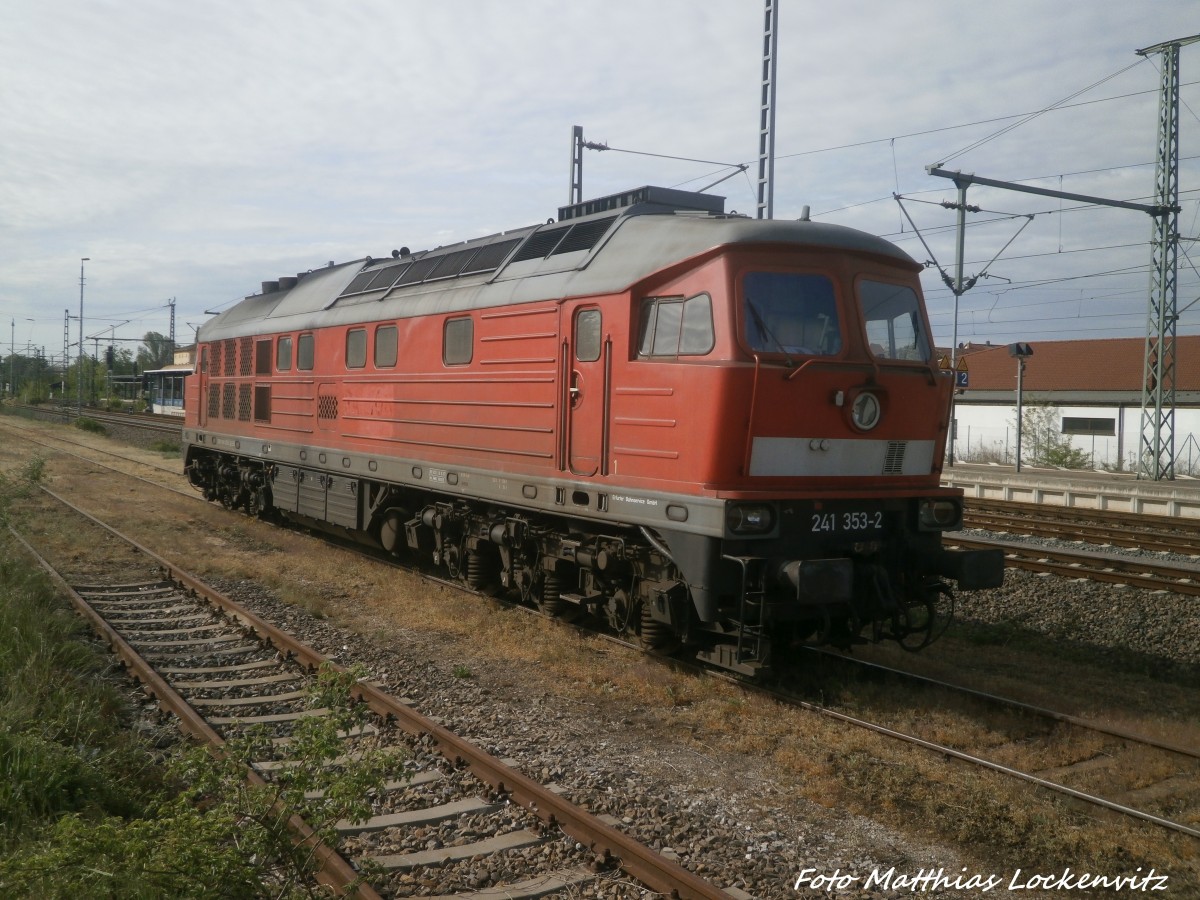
(892, 315)
(790, 314)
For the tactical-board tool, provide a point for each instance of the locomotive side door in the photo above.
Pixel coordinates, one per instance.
(586, 365)
(201, 393)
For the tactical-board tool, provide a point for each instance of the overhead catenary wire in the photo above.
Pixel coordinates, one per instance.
(1031, 116)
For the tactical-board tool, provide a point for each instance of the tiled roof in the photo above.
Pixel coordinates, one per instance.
(1114, 364)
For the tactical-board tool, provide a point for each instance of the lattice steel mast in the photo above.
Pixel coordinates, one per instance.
(575, 191)
(1156, 456)
(766, 123)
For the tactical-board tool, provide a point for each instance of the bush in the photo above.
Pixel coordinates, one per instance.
(63, 745)
(219, 835)
(1043, 443)
(83, 423)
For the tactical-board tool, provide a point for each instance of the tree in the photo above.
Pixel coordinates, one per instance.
(1043, 442)
(156, 352)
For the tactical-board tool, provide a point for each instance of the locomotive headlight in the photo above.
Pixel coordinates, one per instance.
(749, 518)
(940, 515)
(866, 411)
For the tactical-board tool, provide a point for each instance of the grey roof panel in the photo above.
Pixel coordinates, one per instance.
(635, 247)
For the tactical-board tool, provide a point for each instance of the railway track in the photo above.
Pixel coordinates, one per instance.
(1165, 534)
(1149, 574)
(1120, 755)
(58, 442)
(220, 669)
(1124, 755)
(168, 426)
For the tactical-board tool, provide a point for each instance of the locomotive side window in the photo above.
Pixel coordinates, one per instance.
(893, 319)
(385, 346)
(587, 335)
(673, 326)
(457, 340)
(790, 314)
(356, 348)
(305, 352)
(283, 354)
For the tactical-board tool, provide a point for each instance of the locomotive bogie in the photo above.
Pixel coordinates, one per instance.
(699, 429)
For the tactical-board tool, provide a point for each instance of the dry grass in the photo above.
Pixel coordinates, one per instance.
(988, 816)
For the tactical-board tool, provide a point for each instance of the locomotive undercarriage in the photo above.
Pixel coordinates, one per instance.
(627, 578)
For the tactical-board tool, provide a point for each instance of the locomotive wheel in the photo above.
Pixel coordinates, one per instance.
(255, 503)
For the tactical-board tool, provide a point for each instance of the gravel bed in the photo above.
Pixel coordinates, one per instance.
(1163, 626)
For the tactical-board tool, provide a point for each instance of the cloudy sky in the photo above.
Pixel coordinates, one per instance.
(192, 151)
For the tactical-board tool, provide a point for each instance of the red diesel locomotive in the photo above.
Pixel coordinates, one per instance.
(712, 431)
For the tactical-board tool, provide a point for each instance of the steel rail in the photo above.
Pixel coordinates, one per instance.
(1146, 532)
(608, 843)
(1067, 718)
(1077, 513)
(1086, 564)
(1090, 534)
(1102, 535)
(149, 422)
(792, 700)
(789, 699)
(96, 462)
(334, 870)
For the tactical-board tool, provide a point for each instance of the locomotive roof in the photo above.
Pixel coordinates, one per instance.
(607, 249)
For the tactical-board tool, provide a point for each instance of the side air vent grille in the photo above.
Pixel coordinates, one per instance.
(893, 462)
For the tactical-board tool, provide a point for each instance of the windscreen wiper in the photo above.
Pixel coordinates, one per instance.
(767, 333)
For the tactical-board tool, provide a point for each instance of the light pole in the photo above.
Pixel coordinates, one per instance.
(79, 384)
(1020, 352)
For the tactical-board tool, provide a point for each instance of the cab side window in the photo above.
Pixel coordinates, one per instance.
(675, 326)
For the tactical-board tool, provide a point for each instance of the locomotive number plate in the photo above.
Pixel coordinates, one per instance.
(846, 521)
